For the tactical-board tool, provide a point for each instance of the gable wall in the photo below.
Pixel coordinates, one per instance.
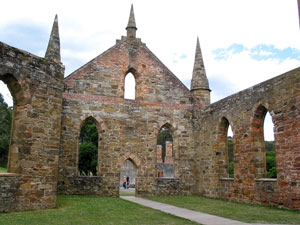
(128, 128)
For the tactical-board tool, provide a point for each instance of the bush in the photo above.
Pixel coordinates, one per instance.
(88, 157)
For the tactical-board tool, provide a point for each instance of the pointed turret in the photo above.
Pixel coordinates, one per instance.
(199, 84)
(131, 26)
(53, 50)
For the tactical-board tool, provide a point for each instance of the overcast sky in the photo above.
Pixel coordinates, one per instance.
(243, 42)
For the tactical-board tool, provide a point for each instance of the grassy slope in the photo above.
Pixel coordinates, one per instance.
(236, 211)
(91, 210)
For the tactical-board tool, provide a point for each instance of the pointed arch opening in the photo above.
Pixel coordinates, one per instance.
(128, 177)
(270, 146)
(225, 151)
(88, 148)
(129, 86)
(12, 124)
(264, 143)
(165, 153)
(6, 111)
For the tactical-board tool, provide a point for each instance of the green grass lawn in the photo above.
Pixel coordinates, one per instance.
(85, 210)
(232, 210)
(3, 170)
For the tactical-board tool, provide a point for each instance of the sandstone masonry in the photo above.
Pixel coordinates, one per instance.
(50, 110)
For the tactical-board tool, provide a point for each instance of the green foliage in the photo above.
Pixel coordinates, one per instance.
(230, 156)
(89, 132)
(5, 124)
(163, 136)
(271, 159)
(3, 170)
(88, 149)
(88, 157)
(271, 164)
(231, 169)
(269, 146)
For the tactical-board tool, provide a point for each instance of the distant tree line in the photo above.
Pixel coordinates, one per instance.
(88, 149)
(5, 124)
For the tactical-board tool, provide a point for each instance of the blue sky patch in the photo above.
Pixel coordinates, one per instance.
(264, 52)
(259, 52)
(224, 53)
(31, 38)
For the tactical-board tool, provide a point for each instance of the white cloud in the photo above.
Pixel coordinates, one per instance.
(169, 28)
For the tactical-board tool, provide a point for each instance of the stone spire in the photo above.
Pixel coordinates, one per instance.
(199, 84)
(53, 50)
(131, 26)
(199, 79)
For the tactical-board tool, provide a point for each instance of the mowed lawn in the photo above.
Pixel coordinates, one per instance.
(233, 210)
(86, 210)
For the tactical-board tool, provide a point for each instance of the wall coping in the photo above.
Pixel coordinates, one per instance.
(9, 175)
(266, 180)
(226, 179)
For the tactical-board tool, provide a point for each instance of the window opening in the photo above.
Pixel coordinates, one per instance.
(270, 147)
(129, 86)
(88, 149)
(165, 161)
(6, 111)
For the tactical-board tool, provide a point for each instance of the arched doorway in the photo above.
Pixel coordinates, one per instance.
(128, 178)
(165, 154)
(6, 111)
(17, 125)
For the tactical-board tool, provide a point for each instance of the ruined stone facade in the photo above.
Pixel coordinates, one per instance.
(49, 111)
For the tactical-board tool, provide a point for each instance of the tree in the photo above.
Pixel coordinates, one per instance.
(88, 157)
(271, 159)
(5, 125)
(230, 156)
(163, 136)
(88, 149)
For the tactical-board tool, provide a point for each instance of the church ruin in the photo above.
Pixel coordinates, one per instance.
(50, 109)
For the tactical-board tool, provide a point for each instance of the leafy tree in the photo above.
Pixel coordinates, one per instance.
(163, 136)
(230, 156)
(271, 159)
(5, 125)
(269, 146)
(89, 132)
(88, 149)
(88, 157)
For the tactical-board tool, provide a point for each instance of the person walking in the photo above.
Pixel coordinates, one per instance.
(124, 182)
(127, 182)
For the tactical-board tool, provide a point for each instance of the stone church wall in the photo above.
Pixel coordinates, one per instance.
(36, 85)
(49, 112)
(127, 127)
(280, 96)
